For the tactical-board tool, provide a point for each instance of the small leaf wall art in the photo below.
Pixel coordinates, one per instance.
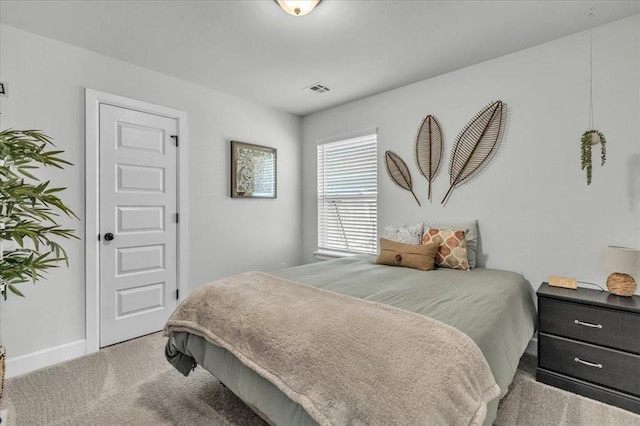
(476, 144)
(428, 149)
(399, 172)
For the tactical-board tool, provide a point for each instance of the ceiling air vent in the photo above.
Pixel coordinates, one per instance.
(318, 88)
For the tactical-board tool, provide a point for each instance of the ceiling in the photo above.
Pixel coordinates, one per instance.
(253, 50)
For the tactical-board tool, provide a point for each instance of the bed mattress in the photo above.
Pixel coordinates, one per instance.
(493, 307)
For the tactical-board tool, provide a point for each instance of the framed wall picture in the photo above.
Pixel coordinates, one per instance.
(253, 171)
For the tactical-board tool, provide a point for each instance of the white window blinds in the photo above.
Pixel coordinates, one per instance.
(347, 195)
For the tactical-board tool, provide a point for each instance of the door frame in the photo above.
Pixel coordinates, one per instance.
(93, 100)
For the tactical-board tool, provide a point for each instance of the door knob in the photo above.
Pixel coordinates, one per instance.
(108, 236)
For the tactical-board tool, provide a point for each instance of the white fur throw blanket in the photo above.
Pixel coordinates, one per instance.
(345, 360)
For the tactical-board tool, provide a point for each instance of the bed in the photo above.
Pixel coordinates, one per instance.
(494, 308)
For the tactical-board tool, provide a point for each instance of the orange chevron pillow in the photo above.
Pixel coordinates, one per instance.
(452, 250)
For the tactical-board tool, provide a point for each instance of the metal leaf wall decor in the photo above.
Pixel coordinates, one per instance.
(399, 172)
(429, 147)
(476, 144)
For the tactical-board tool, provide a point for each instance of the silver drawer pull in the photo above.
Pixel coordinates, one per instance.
(587, 324)
(590, 364)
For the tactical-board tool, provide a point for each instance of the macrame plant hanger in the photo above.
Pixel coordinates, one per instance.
(590, 14)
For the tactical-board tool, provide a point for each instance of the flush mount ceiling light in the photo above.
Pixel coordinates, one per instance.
(298, 7)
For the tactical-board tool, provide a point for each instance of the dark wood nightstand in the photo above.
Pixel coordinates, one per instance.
(589, 344)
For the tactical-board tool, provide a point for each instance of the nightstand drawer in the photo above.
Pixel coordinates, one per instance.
(611, 368)
(606, 327)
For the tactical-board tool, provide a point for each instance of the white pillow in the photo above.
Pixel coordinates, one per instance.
(471, 234)
(408, 234)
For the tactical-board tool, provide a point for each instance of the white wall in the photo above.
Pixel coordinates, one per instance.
(537, 216)
(46, 81)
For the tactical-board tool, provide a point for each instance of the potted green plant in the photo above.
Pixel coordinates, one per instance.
(590, 138)
(29, 210)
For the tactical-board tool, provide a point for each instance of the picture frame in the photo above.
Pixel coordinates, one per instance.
(253, 171)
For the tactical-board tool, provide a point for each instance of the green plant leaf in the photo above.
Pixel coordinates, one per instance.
(14, 290)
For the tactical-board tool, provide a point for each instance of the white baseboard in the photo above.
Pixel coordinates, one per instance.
(532, 347)
(44, 358)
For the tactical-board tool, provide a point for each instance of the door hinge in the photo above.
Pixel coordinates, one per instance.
(175, 138)
(178, 294)
(177, 217)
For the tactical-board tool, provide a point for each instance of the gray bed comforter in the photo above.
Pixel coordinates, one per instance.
(493, 307)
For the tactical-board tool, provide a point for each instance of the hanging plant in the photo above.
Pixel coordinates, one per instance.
(590, 138)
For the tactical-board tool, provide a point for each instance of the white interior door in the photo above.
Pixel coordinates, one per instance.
(138, 222)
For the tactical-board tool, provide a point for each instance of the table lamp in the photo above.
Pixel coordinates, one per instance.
(622, 262)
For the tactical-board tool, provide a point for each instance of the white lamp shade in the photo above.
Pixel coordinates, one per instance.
(298, 7)
(622, 259)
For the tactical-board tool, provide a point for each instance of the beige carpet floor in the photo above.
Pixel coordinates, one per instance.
(132, 384)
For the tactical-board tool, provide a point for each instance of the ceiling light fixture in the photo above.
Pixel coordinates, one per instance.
(298, 7)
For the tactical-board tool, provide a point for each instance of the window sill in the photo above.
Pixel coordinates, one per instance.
(328, 254)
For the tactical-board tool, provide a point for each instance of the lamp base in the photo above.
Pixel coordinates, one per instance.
(621, 284)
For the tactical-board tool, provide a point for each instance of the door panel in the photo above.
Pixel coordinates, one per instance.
(141, 138)
(140, 219)
(138, 202)
(140, 299)
(140, 179)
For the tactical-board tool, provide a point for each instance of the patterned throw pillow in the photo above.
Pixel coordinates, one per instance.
(416, 256)
(452, 250)
(471, 234)
(410, 234)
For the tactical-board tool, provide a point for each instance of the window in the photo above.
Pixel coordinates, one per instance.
(347, 196)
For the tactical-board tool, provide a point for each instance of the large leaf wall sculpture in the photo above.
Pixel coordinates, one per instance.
(476, 144)
(399, 172)
(429, 147)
